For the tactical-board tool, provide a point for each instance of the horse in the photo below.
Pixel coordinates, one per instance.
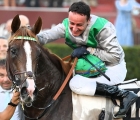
(39, 74)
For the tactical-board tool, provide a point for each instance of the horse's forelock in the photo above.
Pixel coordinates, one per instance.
(22, 31)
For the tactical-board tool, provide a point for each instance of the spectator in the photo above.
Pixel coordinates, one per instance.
(10, 109)
(6, 29)
(29, 3)
(24, 20)
(59, 3)
(3, 47)
(92, 3)
(6, 94)
(123, 21)
(8, 3)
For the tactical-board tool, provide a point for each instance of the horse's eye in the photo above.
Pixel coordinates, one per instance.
(13, 51)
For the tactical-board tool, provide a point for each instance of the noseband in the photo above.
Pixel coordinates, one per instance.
(27, 74)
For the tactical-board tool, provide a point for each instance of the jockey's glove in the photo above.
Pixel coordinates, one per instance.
(79, 52)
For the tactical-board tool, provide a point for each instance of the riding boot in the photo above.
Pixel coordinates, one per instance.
(126, 97)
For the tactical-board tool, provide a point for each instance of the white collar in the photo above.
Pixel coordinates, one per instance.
(3, 90)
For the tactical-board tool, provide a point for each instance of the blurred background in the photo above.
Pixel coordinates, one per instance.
(53, 12)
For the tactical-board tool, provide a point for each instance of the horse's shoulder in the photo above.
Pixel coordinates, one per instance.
(65, 65)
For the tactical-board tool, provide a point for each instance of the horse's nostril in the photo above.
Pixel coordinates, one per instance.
(24, 90)
(35, 92)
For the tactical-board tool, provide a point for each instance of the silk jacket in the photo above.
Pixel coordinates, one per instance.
(104, 34)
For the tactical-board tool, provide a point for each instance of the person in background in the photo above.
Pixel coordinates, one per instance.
(8, 112)
(8, 3)
(91, 35)
(3, 47)
(124, 23)
(24, 20)
(91, 3)
(6, 93)
(6, 31)
(51, 3)
(28, 3)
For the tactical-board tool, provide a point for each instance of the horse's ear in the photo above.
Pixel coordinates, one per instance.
(15, 24)
(37, 27)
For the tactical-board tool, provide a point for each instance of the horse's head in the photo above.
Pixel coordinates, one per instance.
(22, 58)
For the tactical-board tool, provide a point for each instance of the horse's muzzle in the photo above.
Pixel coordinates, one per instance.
(26, 98)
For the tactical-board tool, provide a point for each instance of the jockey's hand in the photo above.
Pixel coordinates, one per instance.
(15, 98)
(79, 52)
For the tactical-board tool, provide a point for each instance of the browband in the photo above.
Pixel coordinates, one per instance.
(25, 38)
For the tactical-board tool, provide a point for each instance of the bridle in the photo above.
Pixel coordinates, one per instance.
(27, 74)
(31, 75)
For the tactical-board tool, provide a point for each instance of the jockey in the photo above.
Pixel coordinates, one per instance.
(90, 34)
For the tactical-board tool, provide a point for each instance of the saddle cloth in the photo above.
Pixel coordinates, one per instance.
(89, 107)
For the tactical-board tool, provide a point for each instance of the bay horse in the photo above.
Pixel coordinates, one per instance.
(38, 74)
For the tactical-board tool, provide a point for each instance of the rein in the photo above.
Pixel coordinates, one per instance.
(67, 78)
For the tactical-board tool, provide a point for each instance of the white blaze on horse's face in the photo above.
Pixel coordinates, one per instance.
(31, 84)
(28, 51)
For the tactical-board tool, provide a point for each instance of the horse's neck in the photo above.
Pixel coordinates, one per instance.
(65, 65)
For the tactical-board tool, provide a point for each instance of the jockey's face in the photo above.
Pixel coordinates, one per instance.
(5, 83)
(77, 23)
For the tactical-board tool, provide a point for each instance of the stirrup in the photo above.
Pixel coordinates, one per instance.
(119, 116)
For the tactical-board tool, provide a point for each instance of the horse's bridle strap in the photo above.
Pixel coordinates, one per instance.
(25, 38)
(66, 80)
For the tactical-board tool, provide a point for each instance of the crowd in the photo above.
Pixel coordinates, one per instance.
(44, 3)
(125, 28)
